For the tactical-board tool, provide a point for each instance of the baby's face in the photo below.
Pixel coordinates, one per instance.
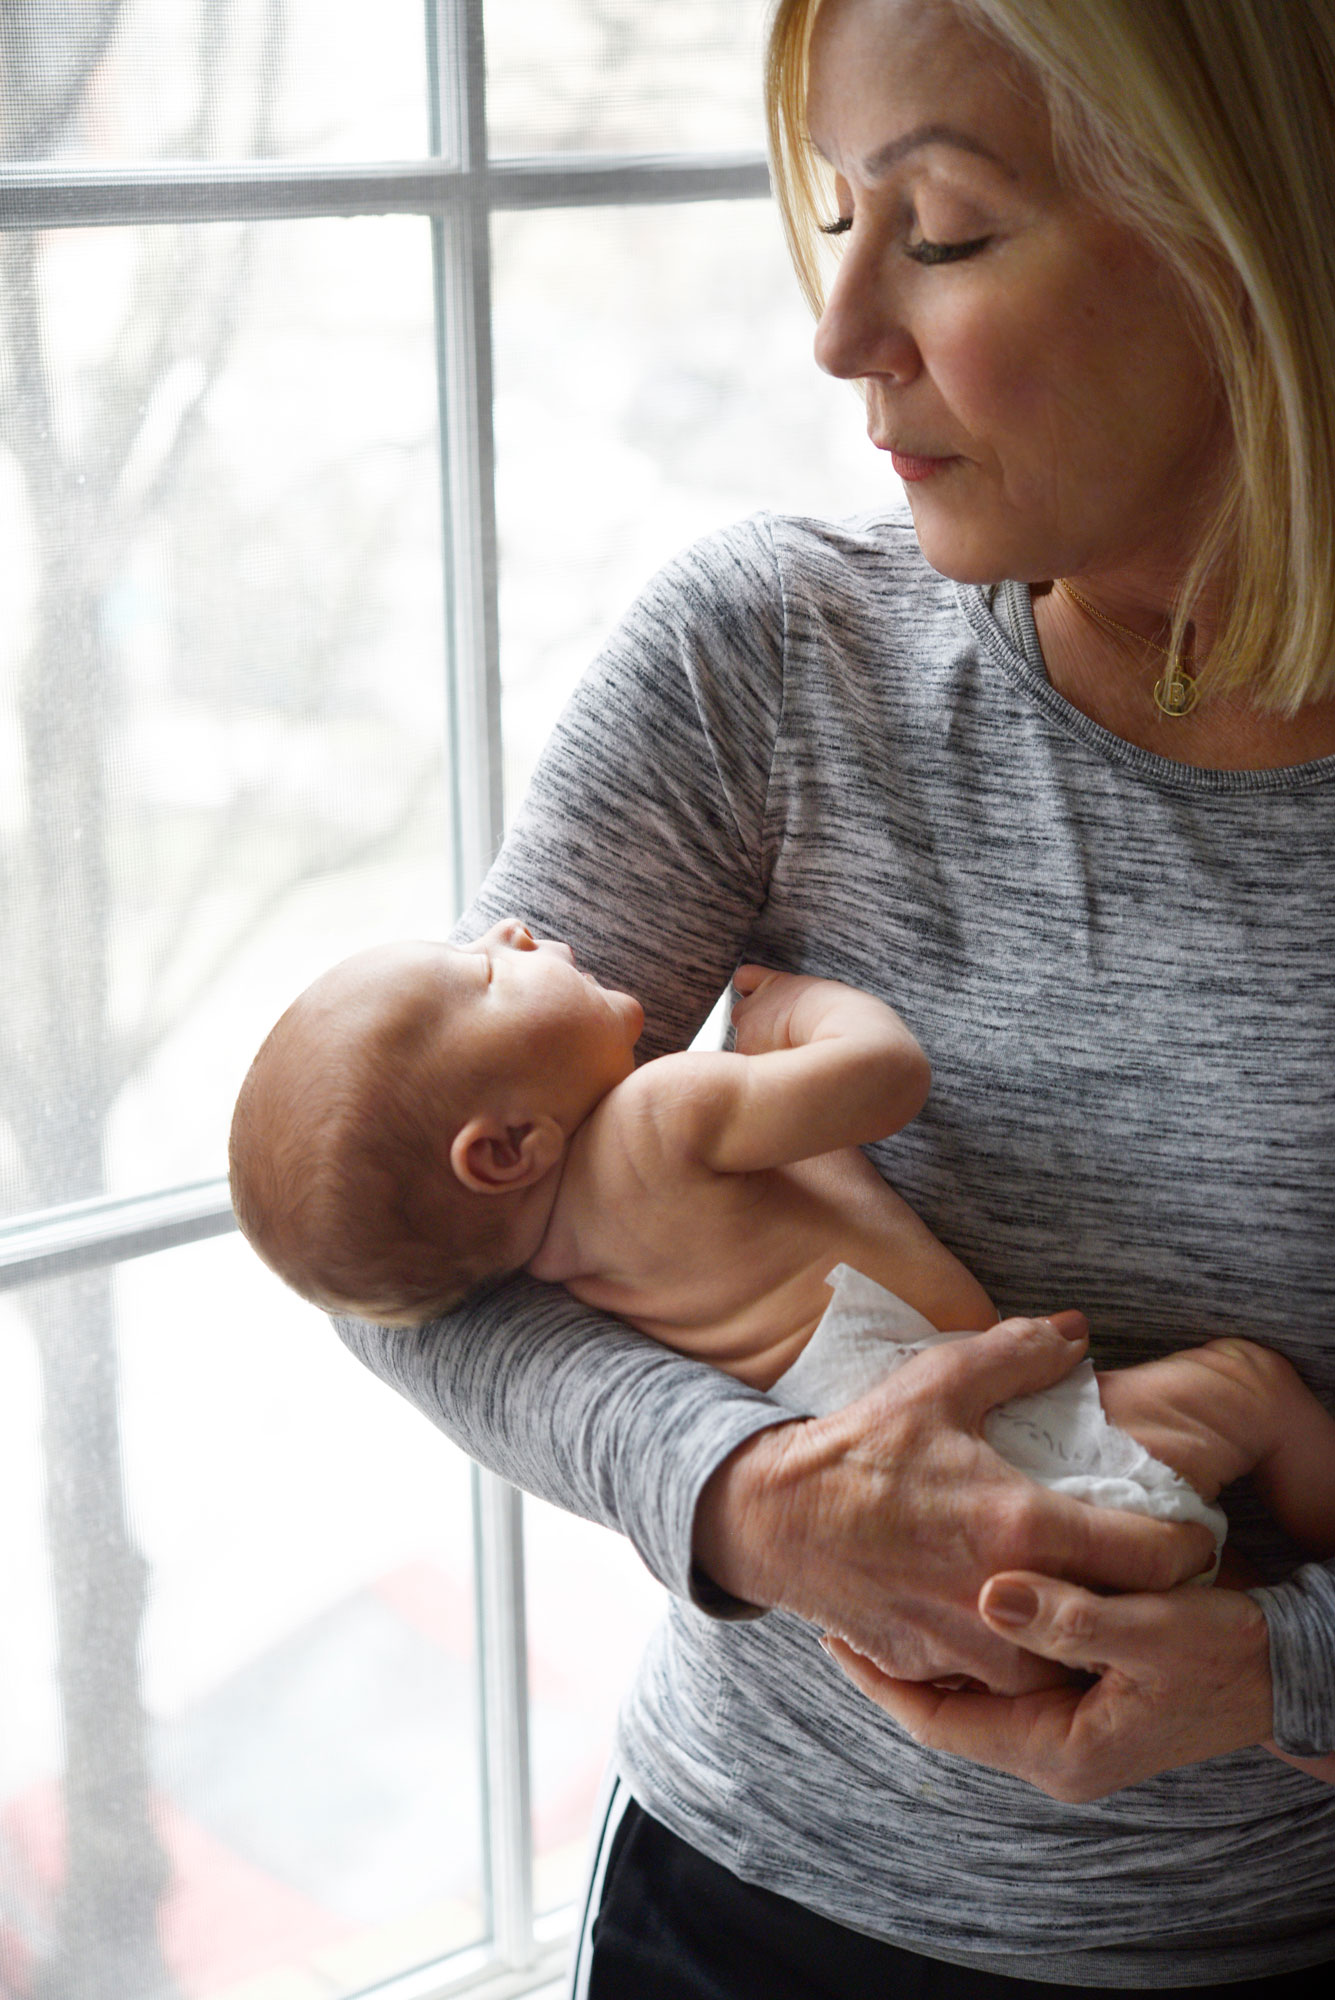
(512, 1019)
(525, 1009)
(513, 1013)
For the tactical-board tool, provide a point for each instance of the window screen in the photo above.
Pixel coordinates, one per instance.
(356, 367)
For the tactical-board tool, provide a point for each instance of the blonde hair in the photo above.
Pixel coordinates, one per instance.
(1208, 127)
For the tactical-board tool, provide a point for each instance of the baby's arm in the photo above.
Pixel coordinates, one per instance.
(818, 1066)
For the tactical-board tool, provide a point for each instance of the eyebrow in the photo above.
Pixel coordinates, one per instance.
(935, 134)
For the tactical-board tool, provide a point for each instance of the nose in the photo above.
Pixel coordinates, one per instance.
(512, 931)
(515, 934)
(557, 948)
(860, 334)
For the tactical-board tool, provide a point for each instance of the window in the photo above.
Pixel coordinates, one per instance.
(355, 367)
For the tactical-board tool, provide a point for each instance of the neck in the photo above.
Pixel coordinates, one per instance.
(562, 1250)
(1111, 680)
(531, 1218)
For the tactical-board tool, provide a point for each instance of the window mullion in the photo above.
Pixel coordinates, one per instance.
(463, 303)
(462, 249)
(499, 1540)
(138, 194)
(82, 1235)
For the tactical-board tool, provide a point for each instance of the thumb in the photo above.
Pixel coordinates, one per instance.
(1016, 1358)
(1060, 1621)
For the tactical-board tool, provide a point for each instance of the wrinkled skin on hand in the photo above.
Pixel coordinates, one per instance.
(882, 1522)
(1176, 1677)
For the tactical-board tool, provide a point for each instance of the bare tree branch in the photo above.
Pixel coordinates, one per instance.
(329, 857)
(47, 55)
(231, 285)
(59, 1050)
(322, 641)
(167, 300)
(103, 471)
(29, 419)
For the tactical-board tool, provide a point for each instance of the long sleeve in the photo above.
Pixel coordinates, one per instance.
(576, 1408)
(1301, 1618)
(642, 843)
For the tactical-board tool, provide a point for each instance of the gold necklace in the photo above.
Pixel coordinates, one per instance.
(1176, 693)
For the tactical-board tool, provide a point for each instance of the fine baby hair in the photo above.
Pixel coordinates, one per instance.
(339, 1154)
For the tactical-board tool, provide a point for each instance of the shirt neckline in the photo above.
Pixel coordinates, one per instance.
(1002, 617)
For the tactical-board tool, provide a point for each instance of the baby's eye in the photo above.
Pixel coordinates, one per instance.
(924, 252)
(837, 227)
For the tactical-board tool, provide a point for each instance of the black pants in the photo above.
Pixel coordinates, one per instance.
(672, 1925)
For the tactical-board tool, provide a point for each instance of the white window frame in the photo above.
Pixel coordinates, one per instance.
(459, 189)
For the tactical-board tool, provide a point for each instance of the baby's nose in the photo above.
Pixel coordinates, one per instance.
(512, 931)
(555, 945)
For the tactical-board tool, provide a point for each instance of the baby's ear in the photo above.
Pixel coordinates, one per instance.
(491, 1156)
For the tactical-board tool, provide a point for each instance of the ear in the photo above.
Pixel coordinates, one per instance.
(491, 1156)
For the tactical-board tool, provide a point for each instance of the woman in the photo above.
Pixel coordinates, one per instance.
(1060, 783)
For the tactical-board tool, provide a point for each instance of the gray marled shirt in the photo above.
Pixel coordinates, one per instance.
(805, 747)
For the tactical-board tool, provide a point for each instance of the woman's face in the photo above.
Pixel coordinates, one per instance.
(1029, 363)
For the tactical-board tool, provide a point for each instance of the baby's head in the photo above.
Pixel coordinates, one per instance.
(395, 1143)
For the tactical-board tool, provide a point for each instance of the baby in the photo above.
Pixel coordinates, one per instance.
(427, 1119)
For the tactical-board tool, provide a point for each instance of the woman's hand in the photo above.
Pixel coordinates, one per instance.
(1179, 1676)
(881, 1522)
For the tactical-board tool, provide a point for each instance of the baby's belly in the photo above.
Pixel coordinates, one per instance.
(754, 1283)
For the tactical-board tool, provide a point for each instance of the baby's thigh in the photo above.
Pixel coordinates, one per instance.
(1209, 1412)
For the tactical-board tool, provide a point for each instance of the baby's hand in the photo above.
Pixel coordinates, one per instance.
(819, 1065)
(762, 1017)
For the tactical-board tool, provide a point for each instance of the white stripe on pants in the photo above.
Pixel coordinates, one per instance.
(612, 1802)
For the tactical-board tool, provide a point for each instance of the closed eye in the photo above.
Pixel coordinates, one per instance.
(945, 253)
(922, 252)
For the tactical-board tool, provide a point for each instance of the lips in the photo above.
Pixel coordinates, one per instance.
(913, 466)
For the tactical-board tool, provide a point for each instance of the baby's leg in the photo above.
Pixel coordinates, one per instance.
(1230, 1407)
(1215, 1412)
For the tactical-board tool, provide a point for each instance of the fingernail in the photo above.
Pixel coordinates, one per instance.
(1069, 1324)
(1011, 1603)
(825, 1644)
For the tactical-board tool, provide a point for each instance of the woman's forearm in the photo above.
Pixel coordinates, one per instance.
(574, 1407)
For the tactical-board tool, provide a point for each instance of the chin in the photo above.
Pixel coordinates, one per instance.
(976, 552)
(963, 560)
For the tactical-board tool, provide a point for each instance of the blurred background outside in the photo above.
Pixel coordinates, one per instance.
(239, 1745)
